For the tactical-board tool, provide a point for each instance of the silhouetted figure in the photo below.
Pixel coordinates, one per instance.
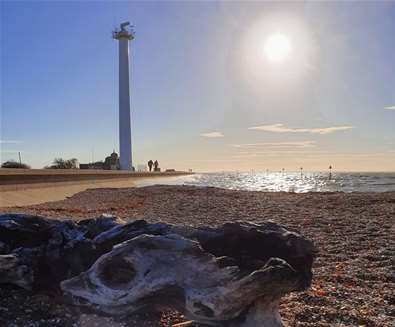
(330, 172)
(150, 163)
(156, 165)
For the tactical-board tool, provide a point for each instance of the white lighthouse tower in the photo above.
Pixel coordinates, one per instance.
(124, 35)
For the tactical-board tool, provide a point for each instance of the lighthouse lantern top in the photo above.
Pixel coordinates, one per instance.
(124, 32)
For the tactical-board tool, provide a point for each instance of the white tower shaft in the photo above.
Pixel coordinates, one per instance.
(125, 138)
(125, 135)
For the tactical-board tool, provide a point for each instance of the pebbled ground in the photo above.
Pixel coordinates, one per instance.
(354, 273)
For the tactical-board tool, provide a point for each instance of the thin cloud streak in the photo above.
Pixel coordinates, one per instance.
(10, 141)
(280, 153)
(390, 108)
(271, 145)
(280, 128)
(303, 154)
(212, 134)
(12, 151)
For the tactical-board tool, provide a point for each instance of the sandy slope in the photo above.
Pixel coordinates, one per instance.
(29, 194)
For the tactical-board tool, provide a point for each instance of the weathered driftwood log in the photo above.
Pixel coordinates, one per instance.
(162, 270)
(53, 250)
(233, 275)
(14, 271)
(247, 245)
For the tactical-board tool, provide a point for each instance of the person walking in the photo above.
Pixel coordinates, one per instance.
(156, 164)
(150, 163)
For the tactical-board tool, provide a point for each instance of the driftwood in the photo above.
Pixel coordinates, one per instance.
(233, 275)
(14, 271)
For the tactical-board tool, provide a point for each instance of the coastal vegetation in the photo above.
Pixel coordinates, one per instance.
(60, 163)
(14, 164)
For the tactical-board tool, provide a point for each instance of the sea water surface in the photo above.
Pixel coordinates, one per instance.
(293, 181)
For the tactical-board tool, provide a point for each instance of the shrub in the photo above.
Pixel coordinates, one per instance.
(60, 163)
(14, 164)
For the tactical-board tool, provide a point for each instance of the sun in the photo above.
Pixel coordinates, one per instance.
(277, 48)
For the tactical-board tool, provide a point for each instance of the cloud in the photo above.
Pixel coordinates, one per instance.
(212, 134)
(280, 153)
(9, 142)
(309, 154)
(390, 107)
(12, 151)
(280, 128)
(281, 145)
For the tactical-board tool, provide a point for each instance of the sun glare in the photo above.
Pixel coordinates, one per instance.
(277, 48)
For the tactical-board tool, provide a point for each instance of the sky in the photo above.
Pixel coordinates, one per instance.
(209, 92)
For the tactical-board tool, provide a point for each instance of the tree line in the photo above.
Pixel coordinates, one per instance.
(58, 163)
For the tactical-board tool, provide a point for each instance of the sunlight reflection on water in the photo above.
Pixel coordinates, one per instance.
(295, 182)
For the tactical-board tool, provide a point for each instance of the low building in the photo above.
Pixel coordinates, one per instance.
(110, 163)
(93, 165)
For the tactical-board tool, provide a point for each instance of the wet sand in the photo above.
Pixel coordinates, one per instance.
(354, 273)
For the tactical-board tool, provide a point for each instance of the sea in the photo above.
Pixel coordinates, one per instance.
(293, 181)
